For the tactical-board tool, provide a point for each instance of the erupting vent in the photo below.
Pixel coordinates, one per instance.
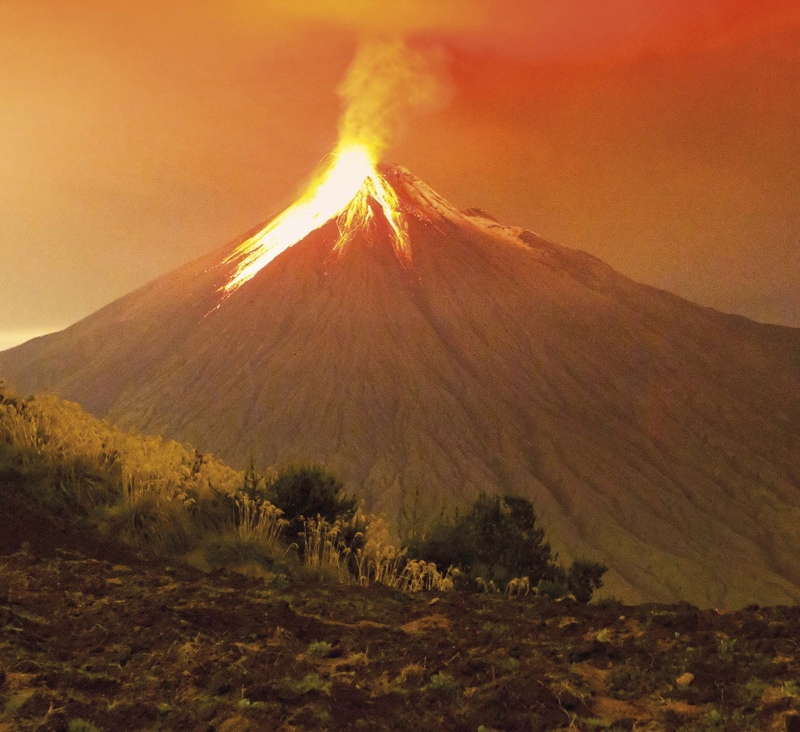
(345, 191)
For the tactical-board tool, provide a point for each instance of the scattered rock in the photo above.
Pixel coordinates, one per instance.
(426, 625)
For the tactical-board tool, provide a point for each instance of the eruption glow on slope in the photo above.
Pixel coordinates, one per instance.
(385, 84)
(344, 190)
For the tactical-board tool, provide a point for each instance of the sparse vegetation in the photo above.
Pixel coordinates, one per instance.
(166, 499)
(144, 646)
(497, 546)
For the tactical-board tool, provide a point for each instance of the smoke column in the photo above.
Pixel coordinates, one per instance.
(386, 86)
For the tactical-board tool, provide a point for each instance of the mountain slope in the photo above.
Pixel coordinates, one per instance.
(654, 435)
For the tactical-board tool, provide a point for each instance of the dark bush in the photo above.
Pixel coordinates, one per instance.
(508, 538)
(584, 577)
(310, 491)
(497, 539)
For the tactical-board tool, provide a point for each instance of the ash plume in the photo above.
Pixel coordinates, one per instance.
(386, 86)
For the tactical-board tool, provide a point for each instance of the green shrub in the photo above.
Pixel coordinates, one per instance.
(497, 540)
(310, 491)
(584, 577)
(443, 684)
(310, 683)
(318, 649)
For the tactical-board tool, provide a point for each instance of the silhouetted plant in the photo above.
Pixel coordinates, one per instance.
(310, 491)
(498, 541)
(255, 485)
(584, 577)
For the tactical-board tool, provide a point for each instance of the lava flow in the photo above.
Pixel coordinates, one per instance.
(344, 192)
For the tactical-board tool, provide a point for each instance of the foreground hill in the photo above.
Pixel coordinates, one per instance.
(106, 630)
(653, 435)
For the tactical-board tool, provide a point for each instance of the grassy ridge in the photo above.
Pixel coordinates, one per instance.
(164, 499)
(157, 496)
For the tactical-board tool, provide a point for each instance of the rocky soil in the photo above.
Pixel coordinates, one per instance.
(87, 643)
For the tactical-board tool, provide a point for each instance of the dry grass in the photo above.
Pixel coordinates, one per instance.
(324, 548)
(166, 499)
(374, 561)
(157, 495)
(258, 520)
(68, 438)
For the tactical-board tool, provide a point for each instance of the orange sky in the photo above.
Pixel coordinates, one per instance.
(660, 136)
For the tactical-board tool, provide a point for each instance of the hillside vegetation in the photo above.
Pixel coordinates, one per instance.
(166, 500)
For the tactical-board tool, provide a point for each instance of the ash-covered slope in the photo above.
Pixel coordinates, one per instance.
(654, 435)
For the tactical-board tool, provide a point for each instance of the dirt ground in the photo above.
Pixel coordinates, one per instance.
(89, 643)
(95, 637)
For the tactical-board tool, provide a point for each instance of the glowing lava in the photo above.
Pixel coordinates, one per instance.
(345, 191)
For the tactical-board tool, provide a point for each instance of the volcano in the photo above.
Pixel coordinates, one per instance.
(654, 435)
